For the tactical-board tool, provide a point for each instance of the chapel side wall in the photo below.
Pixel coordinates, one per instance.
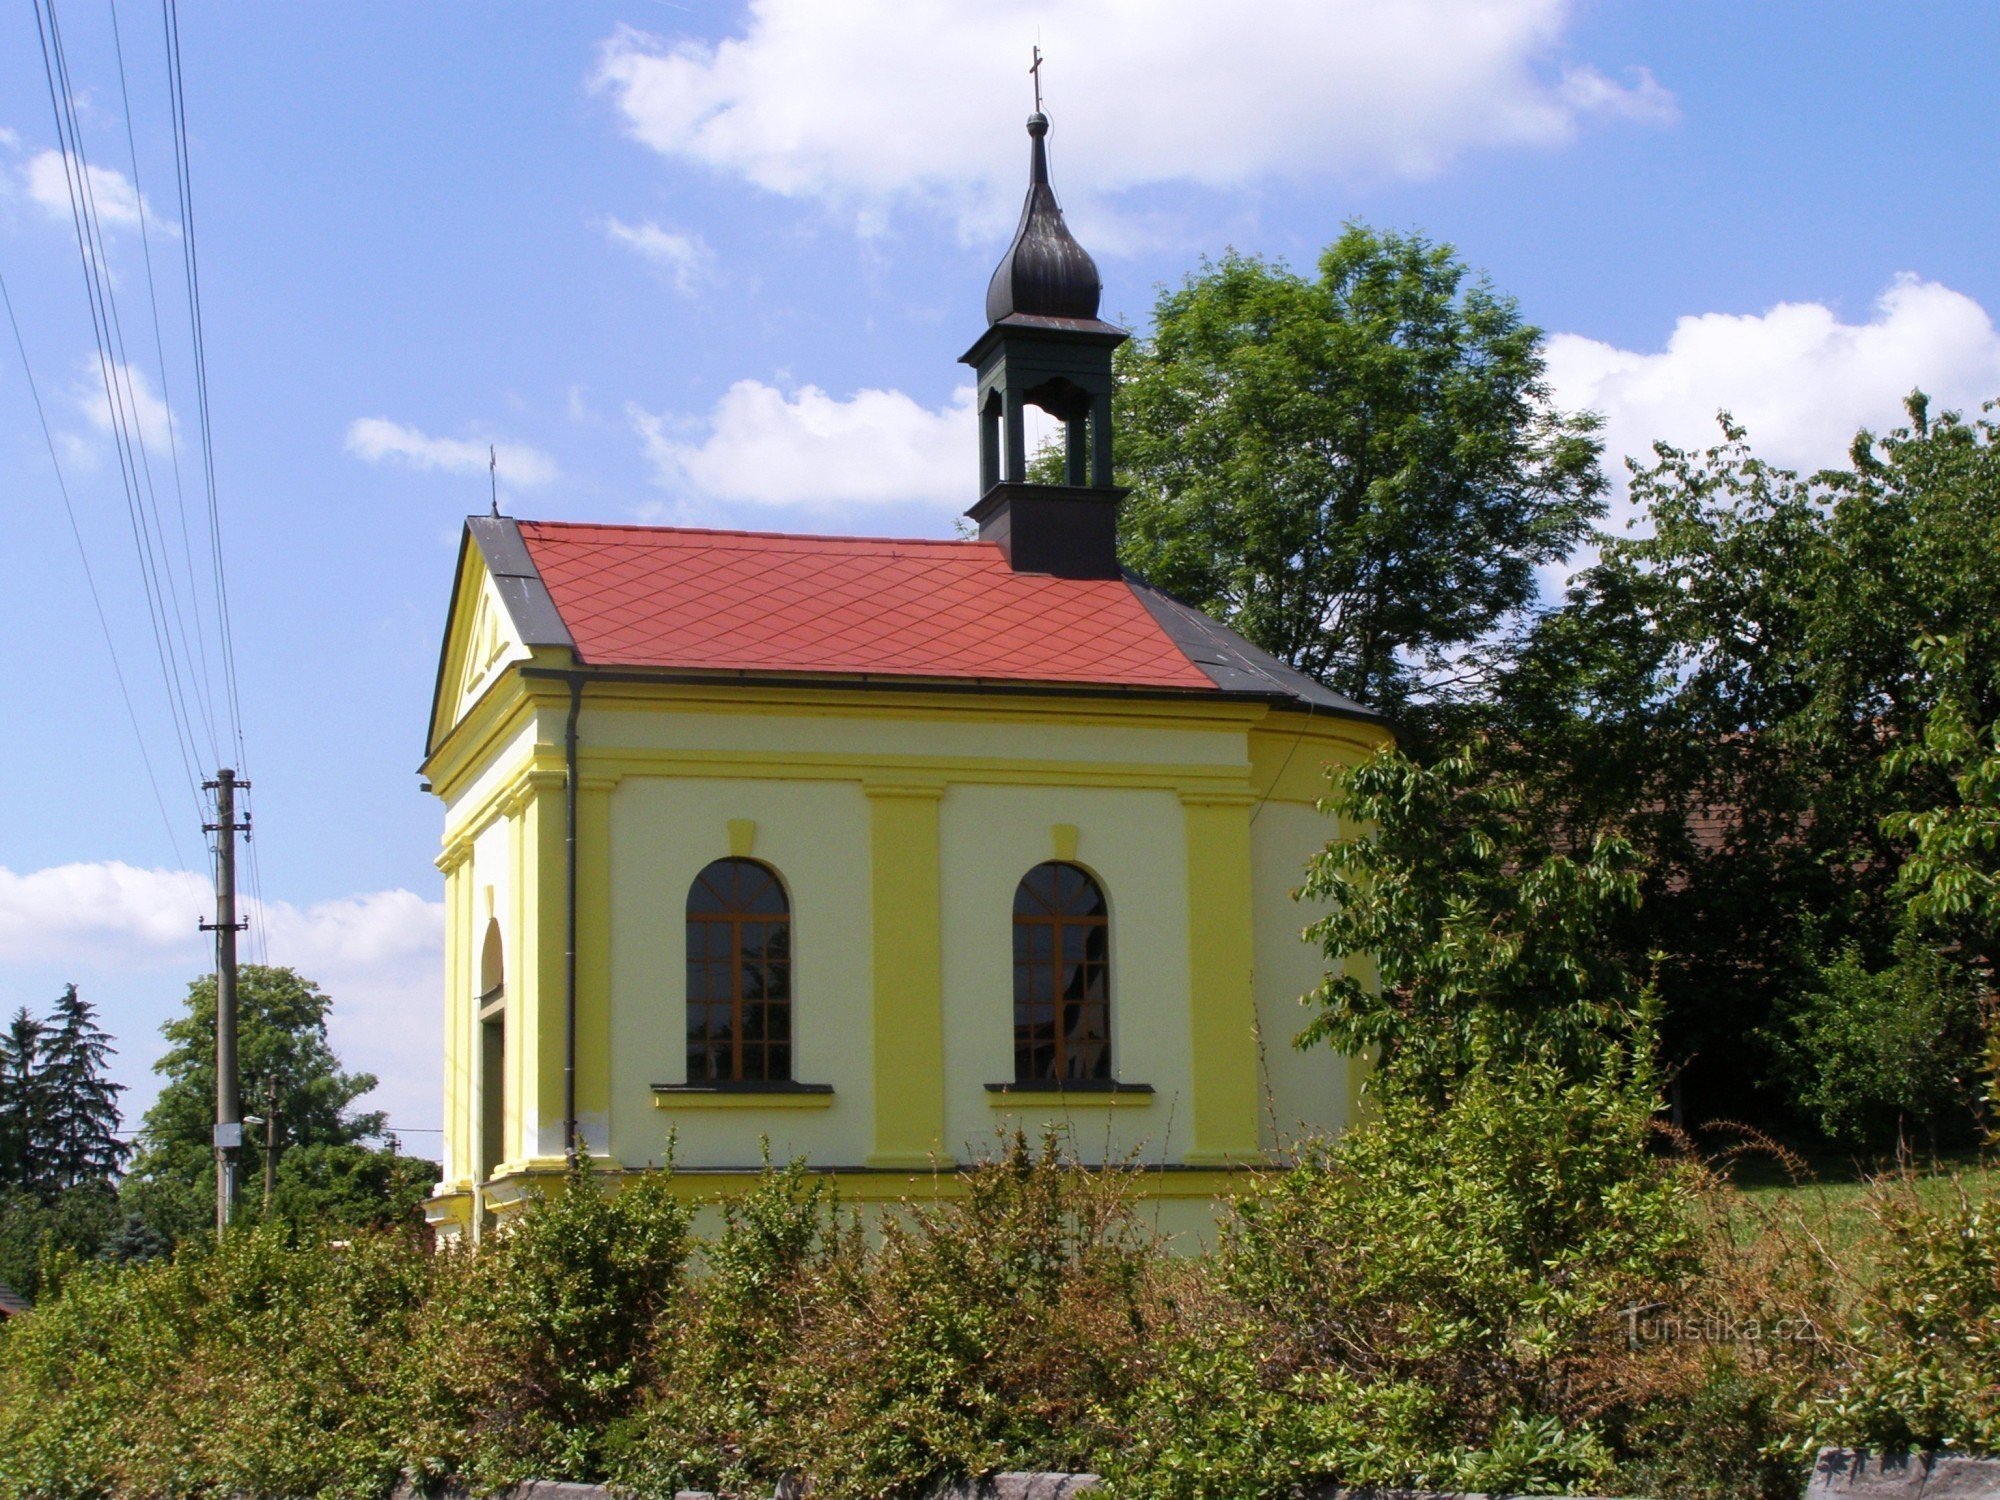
(1310, 1092)
(1303, 1092)
(1134, 842)
(813, 778)
(664, 830)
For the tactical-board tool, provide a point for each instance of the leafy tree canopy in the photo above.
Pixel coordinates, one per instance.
(1359, 470)
(1458, 939)
(281, 1036)
(1743, 690)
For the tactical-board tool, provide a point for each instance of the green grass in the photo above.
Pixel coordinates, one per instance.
(1830, 1193)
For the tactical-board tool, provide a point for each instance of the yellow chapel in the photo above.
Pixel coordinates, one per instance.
(874, 850)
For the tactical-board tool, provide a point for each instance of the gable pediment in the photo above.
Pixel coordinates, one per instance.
(500, 615)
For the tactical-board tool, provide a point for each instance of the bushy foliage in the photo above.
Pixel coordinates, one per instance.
(1517, 1290)
(1888, 1054)
(1924, 1371)
(994, 1328)
(532, 1346)
(262, 1366)
(1454, 927)
(1430, 1298)
(721, 1412)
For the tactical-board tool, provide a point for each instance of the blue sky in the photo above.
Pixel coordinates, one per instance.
(715, 263)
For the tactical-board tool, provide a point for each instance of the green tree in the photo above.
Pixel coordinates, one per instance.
(1952, 877)
(1360, 471)
(1879, 1055)
(1737, 689)
(83, 1149)
(351, 1187)
(59, 1146)
(22, 1106)
(41, 1239)
(1458, 936)
(281, 1035)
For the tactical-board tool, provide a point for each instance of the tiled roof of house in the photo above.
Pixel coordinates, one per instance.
(12, 1303)
(759, 604)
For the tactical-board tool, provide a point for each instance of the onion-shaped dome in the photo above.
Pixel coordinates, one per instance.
(1045, 272)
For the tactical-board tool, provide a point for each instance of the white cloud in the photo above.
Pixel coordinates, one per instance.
(1799, 379)
(138, 403)
(379, 440)
(685, 258)
(118, 202)
(109, 913)
(380, 956)
(874, 103)
(763, 446)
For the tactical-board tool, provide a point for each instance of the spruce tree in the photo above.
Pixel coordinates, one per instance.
(80, 1103)
(21, 1105)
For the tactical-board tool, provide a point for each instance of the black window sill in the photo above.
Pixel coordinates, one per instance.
(1069, 1086)
(743, 1088)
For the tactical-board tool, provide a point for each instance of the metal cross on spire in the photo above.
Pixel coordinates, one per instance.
(1036, 69)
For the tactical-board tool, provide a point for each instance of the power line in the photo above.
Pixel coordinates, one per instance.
(120, 381)
(191, 271)
(97, 289)
(184, 182)
(89, 577)
(188, 667)
(160, 353)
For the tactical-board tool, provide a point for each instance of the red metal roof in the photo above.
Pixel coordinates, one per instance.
(673, 597)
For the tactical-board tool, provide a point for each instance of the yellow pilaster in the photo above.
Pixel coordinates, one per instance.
(908, 960)
(516, 1021)
(544, 926)
(1221, 958)
(454, 1148)
(593, 959)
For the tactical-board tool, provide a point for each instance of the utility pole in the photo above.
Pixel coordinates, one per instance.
(228, 1101)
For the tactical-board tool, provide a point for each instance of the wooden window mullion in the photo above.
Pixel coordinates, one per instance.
(735, 997)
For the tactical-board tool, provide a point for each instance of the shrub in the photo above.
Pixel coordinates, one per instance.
(261, 1366)
(996, 1327)
(992, 1329)
(1924, 1366)
(534, 1344)
(720, 1412)
(1875, 1053)
(1430, 1298)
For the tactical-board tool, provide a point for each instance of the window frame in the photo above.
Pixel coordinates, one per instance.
(734, 919)
(1053, 919)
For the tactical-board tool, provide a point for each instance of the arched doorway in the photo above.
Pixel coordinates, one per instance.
(492, 1011)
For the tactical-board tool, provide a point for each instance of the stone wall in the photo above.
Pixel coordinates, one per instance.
(1839, 1474)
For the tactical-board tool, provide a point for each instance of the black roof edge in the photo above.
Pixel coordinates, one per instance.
(529, 607)
(1237, 667)
(536, 619)
(888, 682)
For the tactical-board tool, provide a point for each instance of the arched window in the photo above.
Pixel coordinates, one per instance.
(739, 975)
(1062, 977)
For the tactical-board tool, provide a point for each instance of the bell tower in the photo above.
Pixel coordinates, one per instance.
(1045, 346)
